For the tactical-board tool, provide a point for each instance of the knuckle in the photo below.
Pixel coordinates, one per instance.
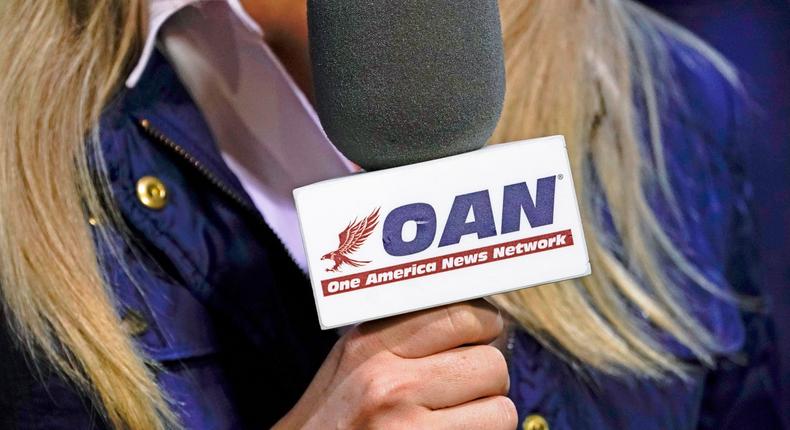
(494, 357)
(382, 390)
(505, 415)
(463, 321)
(500, 322)
(474, 321)
(497, 325)
(495, 363)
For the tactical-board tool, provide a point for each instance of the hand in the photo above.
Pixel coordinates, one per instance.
(431, 369)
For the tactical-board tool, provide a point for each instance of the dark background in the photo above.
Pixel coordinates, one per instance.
(755, 36)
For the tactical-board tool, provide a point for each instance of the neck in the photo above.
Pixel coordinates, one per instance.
(284, 23)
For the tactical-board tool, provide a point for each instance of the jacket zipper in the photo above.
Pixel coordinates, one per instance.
(161, 138)
(178, 149)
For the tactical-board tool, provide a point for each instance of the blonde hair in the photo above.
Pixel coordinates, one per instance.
(576, 67)
(60, 63)
(573, 67)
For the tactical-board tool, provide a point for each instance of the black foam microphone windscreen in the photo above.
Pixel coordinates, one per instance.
(403, 81)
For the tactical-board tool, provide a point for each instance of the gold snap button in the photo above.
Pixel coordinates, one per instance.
(151, 192)
(535, 422)
(133, 323)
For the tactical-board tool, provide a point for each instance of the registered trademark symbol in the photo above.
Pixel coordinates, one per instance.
(560, 176)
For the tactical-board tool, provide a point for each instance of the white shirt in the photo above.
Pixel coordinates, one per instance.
(265, 127)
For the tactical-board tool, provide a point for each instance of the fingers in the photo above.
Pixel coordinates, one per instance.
(490, 413)
(423, 370)
(424, 333)
(462, 375)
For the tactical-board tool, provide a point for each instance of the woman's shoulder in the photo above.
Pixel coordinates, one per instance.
(703, 93)
(704, 137)
(706, 133)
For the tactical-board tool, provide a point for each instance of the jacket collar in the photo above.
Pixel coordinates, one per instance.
(161, 101)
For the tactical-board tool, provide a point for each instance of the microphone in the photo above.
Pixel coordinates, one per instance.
(399, 82)
(411, 91)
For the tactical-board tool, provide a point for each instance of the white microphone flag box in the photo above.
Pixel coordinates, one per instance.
(486, 222)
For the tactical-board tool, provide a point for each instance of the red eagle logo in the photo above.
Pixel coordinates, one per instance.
(351, 238)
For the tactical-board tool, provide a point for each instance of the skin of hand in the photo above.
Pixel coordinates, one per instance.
(430, 369)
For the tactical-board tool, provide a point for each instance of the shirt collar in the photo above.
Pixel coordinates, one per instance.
(159, 11)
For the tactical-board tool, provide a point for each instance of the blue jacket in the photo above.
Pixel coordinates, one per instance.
(219, 304)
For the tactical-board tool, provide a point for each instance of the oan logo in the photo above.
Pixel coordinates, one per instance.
(350, 239)
(516, 200)
(470, 214)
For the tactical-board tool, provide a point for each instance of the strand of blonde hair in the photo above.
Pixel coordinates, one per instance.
(61, 63)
